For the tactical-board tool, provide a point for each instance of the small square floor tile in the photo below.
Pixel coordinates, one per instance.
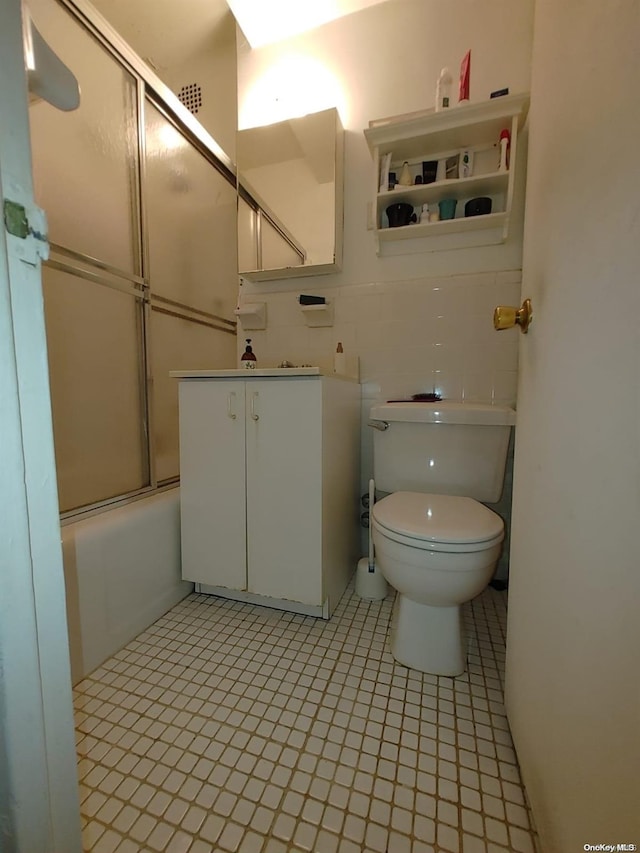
(231, 727)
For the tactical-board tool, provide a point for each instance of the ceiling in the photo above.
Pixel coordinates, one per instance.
(266, 21)
(166, 33)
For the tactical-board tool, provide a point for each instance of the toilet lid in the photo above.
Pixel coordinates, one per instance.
(437, 518)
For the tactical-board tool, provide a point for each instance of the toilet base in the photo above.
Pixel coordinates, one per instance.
(429, 639)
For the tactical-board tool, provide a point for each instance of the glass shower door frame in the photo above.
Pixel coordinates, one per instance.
(147, 86)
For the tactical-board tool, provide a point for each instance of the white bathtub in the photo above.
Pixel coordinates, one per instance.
(122, 572)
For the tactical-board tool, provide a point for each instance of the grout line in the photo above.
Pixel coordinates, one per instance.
(292, 710)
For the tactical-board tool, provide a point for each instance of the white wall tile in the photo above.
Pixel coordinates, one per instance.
(442, 323)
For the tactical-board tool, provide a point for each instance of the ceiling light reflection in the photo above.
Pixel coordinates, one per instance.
(266, 22)
(293, 86)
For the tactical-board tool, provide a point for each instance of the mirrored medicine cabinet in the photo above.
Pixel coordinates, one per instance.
(290, 197)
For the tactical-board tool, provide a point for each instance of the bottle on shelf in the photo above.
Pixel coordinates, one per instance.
(465, 75)
(405, 179)
(340, 360)
(443, 90)
(505, 141)
(466, 164)
(248, 360)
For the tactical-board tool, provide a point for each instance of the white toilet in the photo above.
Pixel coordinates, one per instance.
(434, 542)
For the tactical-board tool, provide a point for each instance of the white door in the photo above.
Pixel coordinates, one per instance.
(212, 482)
(573, 646)
(39, 810)
(284, 488)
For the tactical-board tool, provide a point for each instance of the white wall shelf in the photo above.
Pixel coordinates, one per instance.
(318, 315)
(436, 136)
(444, 226)
(252, 315)
(489, 184)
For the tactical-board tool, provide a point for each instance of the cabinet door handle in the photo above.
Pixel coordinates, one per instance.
(254, 398)
(231, 398)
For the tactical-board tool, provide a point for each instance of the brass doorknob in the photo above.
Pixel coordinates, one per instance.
(506, 317)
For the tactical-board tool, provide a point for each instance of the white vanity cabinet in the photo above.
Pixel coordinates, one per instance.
(269, 485)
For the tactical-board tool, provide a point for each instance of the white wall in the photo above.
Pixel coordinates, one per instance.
(212, 66)
(380, 62)
(416, 321)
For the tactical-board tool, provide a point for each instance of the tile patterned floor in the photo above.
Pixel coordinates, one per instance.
(230, 727)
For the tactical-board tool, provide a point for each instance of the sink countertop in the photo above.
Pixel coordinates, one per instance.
(259, 373)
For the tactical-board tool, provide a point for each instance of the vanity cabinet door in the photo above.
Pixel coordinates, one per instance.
(284, 489)
(212, 482)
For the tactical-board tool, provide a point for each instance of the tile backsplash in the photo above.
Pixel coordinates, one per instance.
(411, 336)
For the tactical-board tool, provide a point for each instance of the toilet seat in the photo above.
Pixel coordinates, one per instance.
(437, 522)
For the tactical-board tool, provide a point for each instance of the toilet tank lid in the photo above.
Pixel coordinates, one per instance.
(445, 413)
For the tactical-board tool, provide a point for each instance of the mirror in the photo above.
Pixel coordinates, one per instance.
(290, 197)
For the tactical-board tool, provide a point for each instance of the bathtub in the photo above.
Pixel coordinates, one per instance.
(122, 572)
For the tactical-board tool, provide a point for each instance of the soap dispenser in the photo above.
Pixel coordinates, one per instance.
(248, 360)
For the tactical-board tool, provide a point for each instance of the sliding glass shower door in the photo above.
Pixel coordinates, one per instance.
(142, 275)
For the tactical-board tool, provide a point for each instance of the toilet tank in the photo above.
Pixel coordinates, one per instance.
(444, 448)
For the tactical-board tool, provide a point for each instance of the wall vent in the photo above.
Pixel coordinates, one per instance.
(191, 96)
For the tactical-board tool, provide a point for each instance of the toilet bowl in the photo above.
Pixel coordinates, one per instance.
(435, 541)
(437, 551)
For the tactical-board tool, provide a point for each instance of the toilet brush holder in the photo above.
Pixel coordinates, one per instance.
(369, 581)
(370, 585)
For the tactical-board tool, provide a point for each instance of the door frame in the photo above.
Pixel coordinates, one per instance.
(39, 807)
